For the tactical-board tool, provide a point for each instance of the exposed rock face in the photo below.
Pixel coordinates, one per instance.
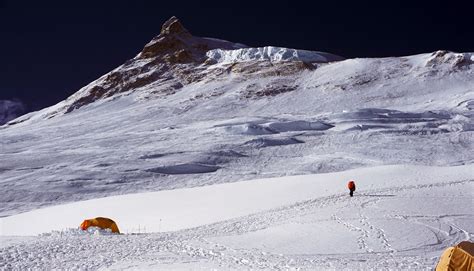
(171, 44)
(174, 26)
(455, 60)
(175, 44)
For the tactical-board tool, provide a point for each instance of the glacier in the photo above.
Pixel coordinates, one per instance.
(269, 53)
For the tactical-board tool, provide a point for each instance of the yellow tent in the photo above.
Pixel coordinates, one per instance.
(459, 258)
(101, 222)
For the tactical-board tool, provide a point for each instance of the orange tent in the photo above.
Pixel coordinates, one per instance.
(459, 258)
(101, 222)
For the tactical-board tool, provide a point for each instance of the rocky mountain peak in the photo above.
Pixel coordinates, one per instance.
(175, 44)
(173, 26)
(173, 40)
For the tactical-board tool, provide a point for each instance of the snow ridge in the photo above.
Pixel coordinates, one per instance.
(269, 53)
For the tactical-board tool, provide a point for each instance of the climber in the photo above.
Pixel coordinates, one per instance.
(352, 187)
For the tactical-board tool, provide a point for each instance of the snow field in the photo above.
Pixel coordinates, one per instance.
(400, 217)
(191, 207)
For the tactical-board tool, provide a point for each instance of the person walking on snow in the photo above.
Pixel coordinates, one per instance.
(352, 187)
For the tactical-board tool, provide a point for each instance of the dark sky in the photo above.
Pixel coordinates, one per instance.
(49, 49)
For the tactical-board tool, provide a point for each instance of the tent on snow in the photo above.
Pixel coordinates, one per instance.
(459, 257)
(101, 222)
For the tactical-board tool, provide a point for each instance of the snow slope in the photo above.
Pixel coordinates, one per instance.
(343, 115)
(299, 222)
(191, 207)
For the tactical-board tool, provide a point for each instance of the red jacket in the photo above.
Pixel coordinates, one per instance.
(351, 185)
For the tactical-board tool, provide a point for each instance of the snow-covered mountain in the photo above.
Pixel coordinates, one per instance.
(188, 112)
(175, 60)
(179, 114)
(10, 109)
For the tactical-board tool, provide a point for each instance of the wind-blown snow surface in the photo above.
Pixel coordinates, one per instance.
(10, 109)
(401, 217)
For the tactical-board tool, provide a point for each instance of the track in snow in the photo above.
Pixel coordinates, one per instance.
(258, 240)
